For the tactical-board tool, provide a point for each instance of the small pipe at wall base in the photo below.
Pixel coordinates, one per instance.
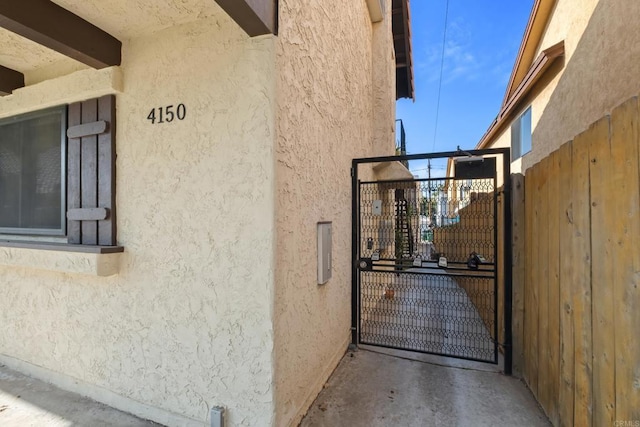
(217, 416)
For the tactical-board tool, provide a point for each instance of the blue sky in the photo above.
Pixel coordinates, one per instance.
(483, 38)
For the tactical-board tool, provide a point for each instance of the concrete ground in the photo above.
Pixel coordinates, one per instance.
(372, 387)
(377, 388)
(25, 402)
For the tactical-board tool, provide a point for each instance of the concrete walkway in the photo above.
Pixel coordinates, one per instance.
(26, 402)
(371, 389)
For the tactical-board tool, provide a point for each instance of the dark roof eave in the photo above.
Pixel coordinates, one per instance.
(401, 28)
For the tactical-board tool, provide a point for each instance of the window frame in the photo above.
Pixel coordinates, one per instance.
(62, 230)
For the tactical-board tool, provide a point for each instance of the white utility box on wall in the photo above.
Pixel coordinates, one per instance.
(324, 252)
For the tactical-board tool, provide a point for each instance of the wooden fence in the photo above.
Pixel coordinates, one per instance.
(581, 295)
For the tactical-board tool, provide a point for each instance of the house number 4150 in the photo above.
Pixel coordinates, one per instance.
(167, 114)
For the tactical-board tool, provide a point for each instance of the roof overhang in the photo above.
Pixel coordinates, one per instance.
(544, 61)
(401, 28)
(38, 33)
(540, 14)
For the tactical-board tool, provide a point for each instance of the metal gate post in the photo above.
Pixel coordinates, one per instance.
(355, 293)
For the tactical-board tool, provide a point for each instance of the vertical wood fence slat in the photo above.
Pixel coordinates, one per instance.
(581, 280)
(528, 286)
(519, 271)
(566, 397)
(553, 244)
(542, 232)
(625, 153)
(532, 304)
(602, 187)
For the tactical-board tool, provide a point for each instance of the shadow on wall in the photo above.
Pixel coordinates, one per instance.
(603, 71)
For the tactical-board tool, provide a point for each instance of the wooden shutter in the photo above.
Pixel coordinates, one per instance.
(91, 162)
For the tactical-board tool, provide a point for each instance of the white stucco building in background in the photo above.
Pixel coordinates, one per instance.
(223, 133)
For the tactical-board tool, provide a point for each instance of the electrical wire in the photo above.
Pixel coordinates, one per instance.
(444, 44)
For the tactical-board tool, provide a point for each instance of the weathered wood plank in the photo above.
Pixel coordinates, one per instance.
(73, 173)
(565, 236)
(89, 173)
(519, 269)
(532, 267)
(528, 226)
(625, 236)
(61, 31)
(10, 80)
(88, 214)
(554, 287)
(255, 17)
(107, 170)
(87, 129)
(581, 280)
(542, 232)
(601, 172)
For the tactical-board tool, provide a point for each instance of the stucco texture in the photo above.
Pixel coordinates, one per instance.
(215, 300)
(600, 70)
(187, 322)
(331, 107)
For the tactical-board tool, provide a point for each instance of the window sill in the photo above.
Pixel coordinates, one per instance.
(79, 259)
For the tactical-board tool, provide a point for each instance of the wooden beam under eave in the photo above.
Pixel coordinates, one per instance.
(10, 80)
(52, 26)
(535, 73)
(255, 17)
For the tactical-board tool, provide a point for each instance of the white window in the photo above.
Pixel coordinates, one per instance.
(32, 173)
(521, 135)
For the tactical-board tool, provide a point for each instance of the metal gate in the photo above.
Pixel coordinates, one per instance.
(427, 260)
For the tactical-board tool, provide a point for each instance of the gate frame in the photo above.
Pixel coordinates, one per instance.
(507, 237)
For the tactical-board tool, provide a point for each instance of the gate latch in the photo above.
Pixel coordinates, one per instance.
(417, 260)
(475, 261)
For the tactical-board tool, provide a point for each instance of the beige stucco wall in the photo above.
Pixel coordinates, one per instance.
(383, 70)
(331, 106)
(187, 322)
(600, 70)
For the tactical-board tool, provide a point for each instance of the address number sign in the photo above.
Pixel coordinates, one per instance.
(167, 114)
